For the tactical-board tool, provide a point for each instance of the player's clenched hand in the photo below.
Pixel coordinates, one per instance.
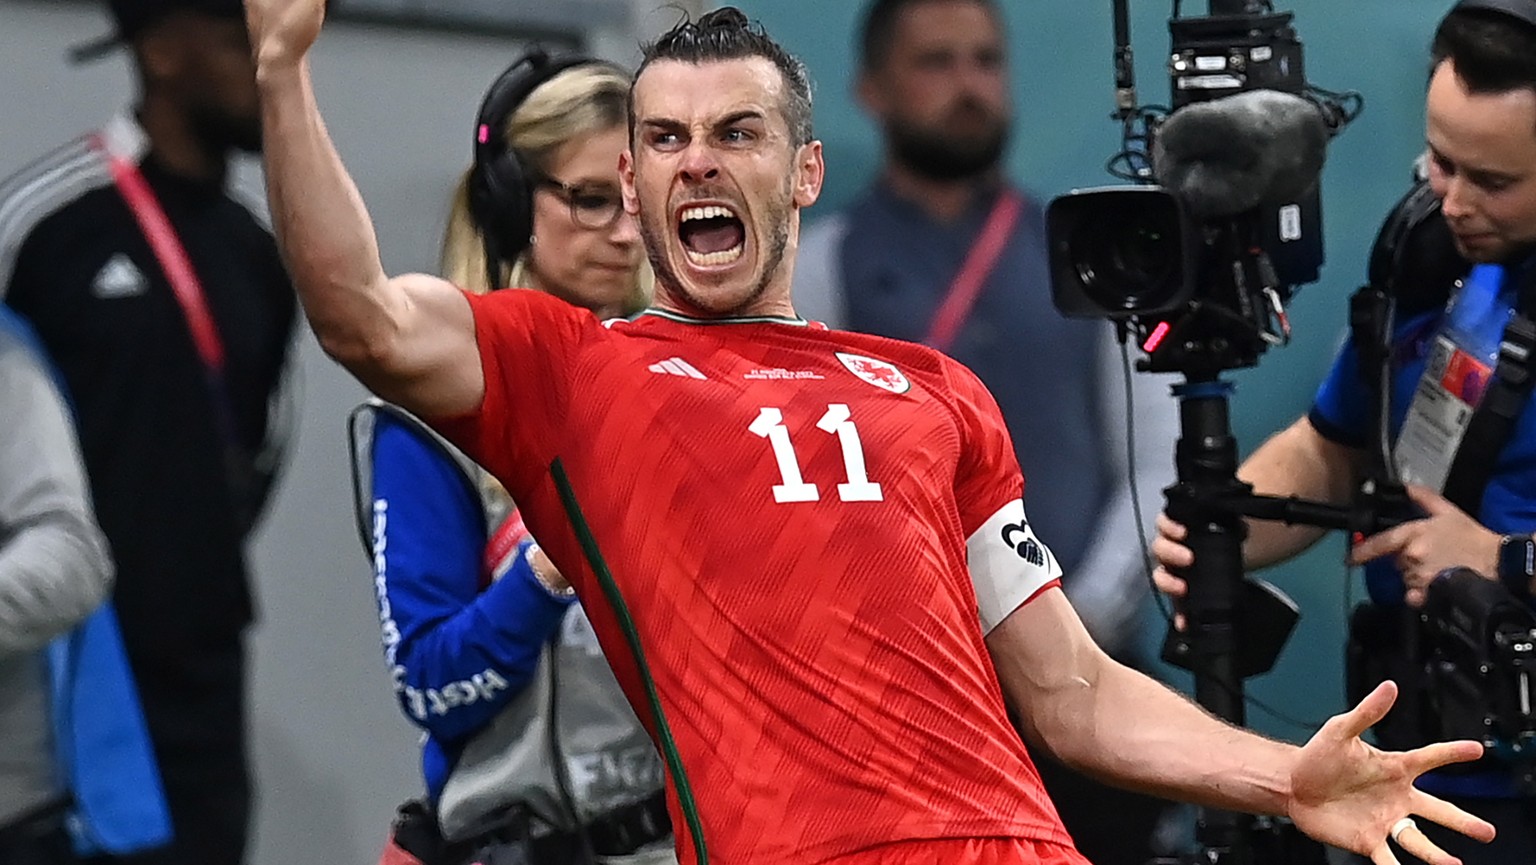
(1169, 550)
(282, 31)
(1350, 795)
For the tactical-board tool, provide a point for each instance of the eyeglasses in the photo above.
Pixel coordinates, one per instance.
(591, 207)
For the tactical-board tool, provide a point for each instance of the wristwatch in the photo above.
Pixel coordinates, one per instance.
(1517, 563)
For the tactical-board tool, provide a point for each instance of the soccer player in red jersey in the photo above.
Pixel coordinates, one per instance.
(804, 551)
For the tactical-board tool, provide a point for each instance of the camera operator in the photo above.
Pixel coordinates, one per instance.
(1481, 161)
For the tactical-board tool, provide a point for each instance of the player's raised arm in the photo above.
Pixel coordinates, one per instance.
(410, 339)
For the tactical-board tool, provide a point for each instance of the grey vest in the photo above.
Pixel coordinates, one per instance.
(568, 748)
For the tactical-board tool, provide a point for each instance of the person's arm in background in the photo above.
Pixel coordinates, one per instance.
(458, 654)
(1319, 457)
(1110, 583)
(1297, 461)
(55, 568)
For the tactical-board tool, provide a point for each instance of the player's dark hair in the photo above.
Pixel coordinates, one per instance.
(726, 34)
(1493, 52)
(879, 29)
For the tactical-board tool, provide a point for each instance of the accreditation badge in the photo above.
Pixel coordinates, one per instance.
(1453, 384)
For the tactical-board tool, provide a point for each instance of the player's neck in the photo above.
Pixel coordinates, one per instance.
(770, 304)
(943, 200)
(176, 147)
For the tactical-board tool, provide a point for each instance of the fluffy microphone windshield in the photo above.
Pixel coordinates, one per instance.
(1230, 155)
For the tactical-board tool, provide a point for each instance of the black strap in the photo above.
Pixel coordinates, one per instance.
(1371, 312)
(1493, 422)
(1413, 263)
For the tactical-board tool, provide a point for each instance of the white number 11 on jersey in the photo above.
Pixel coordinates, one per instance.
(837, 421)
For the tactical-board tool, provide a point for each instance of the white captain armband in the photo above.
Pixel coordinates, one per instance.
(1008, 563)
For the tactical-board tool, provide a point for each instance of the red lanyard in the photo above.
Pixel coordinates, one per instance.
(172, 256)
(978, 265)
(185, 285)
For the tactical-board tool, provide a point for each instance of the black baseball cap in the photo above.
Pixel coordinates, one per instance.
(132, 17)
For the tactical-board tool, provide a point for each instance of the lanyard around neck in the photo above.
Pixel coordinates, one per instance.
(978, 265)
(171, 254)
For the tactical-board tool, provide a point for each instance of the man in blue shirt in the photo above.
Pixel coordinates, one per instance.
(943, 249)
(1481, 162)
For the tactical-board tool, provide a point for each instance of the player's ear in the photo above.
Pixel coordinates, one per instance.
(810, 173)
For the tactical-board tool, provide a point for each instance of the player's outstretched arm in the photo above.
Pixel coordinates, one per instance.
(410, 339)
(1115, 723)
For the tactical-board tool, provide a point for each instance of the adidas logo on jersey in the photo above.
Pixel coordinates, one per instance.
(119, 277)
(676, 366)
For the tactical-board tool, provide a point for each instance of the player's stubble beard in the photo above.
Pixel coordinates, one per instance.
(654, 238)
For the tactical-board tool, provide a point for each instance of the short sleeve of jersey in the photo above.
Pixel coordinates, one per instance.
(1008, 563)
(528, 342)
(1341, 409)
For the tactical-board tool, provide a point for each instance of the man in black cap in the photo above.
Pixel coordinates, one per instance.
(167, 310)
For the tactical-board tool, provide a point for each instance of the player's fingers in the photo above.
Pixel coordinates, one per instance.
(1366, 714)
(1414, 842)
(1382, 855)
(1440, 754)
(1452, 817)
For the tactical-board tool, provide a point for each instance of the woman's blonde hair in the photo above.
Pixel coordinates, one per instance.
(581, 101)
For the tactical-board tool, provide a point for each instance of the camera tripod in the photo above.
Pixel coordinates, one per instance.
(1237, 626)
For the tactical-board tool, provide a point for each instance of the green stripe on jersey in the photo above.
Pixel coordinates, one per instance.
(632, 637)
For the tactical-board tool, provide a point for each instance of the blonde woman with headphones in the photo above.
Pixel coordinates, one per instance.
(531, 753)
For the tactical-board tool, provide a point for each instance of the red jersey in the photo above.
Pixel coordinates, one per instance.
(775, 529)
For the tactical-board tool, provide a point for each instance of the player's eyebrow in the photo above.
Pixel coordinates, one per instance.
(738, 116)
(664, 124)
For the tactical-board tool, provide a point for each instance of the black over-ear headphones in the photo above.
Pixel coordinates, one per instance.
(500, 186)
(1521, 10)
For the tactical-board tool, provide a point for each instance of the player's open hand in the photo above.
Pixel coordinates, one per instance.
(282, 31)
(1353, 796)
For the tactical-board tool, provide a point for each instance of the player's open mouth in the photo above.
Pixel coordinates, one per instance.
(712, 235)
